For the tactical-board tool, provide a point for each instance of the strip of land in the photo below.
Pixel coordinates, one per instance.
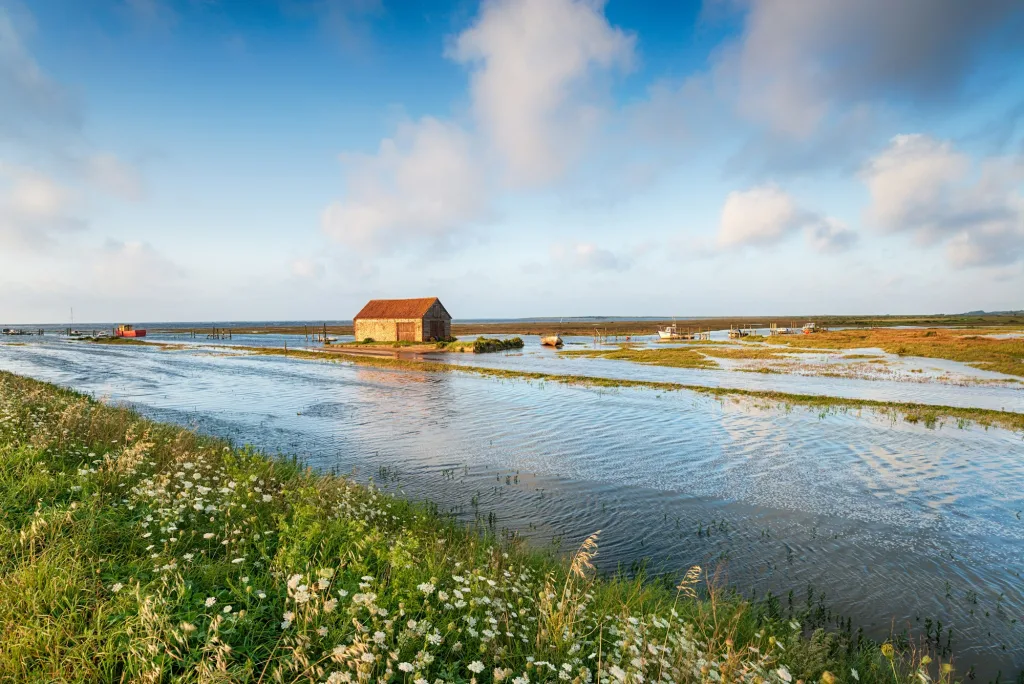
(927, 414)
(139, 551)
(588, 326)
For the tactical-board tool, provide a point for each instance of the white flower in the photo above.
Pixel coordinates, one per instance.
(208, 535)
(476, 667)
(367, 657)
(189, 556)
(784, 674)
(427, 588)
(267, 497)
(236, 561)
(322, 631)
(262, 594)
(117, 587)
(854, 674)
(227, 609)
(379, 637)
(420, 680)
(210, 601)
(405, 667)
(617, 672)
(330, 605)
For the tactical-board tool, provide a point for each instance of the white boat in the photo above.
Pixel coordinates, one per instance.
(669, 333)
(551, 341)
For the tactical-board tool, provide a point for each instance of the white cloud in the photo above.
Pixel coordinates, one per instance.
(423, 186)
(534, 63)
(137, 263)
(924, 187)
(588, 256)
(766, 215)
(34, 208)
(307, 269)
(115, 176)
(797, 61)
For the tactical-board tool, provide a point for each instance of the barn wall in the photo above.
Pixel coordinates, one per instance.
(385, 329)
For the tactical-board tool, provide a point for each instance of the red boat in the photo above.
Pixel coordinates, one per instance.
(128, 331)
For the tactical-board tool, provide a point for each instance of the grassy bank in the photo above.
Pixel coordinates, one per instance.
(137, 551)
(926, 414)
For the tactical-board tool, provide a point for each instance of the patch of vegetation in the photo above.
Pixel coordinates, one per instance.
(482, 345)
(978, 350)
(140, 551)
(674, 357)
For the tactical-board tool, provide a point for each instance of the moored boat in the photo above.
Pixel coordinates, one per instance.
(128, 331)
(551, 341)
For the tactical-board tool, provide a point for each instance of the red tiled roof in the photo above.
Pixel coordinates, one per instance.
(396, 308)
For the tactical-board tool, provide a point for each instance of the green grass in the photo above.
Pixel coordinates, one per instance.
(673, 357)
(139, 551)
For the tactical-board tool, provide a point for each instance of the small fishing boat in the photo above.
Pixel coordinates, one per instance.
(810, 328)
(128, 331)
(551, 341)
(669, 333)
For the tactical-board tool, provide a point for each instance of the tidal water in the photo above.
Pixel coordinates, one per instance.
(892, 524)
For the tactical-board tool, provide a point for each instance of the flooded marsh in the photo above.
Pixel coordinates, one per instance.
(892, 523)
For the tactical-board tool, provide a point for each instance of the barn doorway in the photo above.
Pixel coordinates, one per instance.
(406, 332)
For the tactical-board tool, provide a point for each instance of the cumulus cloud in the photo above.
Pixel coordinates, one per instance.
(34, 208)
(532, 85)
(767, 215)
(796, 61)
(422, 186)
(924, 187)
(588, 256)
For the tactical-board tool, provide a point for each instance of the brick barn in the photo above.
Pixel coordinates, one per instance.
(395, 320)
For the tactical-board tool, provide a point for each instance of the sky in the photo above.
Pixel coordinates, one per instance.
(187, 160)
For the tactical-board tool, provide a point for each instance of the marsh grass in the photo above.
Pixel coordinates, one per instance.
(675, 357)
(973, 347)
(139, 551)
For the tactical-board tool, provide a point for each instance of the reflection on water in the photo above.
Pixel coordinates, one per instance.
(891, 521)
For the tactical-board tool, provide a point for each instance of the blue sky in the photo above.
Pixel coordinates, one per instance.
(266, 159)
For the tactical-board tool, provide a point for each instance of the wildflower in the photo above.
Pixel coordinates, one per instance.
(367, 657)
(828, 678)
(236, 561)
(855, 674)
(208, 535)
(499, 674)
(620, 674)
(227, 609)
(420, 680)
(427, 588)
(262, 594)
(476, 667)
(379, 637)
(267, 497)
(784, 674)
(117, 586)
(322, 631)
(189, 556)
(405, 667)
(888, 651)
